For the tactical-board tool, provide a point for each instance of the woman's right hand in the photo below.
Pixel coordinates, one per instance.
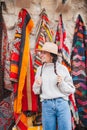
(38, 81)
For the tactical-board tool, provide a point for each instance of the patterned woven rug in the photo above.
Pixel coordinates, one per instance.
(78, 58)
(6, 114)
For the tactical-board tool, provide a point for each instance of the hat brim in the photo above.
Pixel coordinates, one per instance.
(40, 50)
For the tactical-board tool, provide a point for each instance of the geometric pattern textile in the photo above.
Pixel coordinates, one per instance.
(4, 90)
(63, 49)
(21, 69)
(78, 69)
(44, 34)
(6, 113)
(64, 58)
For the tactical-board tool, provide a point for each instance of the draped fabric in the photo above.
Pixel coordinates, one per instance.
(6, 50)
(78, 69)
(44, 34)
(64, 55)
(63, 49)
(1, 69)
(6, 113)
(86, 53)
(6, 109)
(5, 58)
(29, 98)
(22, 74)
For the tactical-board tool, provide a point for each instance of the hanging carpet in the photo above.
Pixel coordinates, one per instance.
(64, 58)
(63, 49)
(6, 88)
(4, 92)
(44, 33)
(6, 114)
(22, 73)
(86, 54)
(78, 69)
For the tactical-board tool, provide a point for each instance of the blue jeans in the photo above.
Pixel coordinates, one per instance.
(56, 114)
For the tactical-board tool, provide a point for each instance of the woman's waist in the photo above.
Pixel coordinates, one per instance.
(43, 97)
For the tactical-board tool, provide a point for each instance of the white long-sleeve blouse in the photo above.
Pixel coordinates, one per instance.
(50, 88)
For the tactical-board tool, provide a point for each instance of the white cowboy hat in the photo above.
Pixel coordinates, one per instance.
(49, 47)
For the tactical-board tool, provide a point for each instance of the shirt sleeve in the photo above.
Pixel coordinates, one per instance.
(36, 88)
(66, 86)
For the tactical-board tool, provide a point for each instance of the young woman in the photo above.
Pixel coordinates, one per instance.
(54, 84)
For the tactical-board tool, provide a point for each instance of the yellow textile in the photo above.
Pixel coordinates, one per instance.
(48, 32)
(35, 128)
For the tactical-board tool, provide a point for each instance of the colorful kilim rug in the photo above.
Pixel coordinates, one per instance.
(22, 74)
(78, 69)
(4, 90)
(64, 52)
(63, 49)
(6, 113)
(6, 110)
(86, 53)
(6, 51)
(44, 34)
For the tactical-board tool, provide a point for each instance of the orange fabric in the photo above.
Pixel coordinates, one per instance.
(29, 99)
(22, 88)
(18, 35)
(23, 72)
(14, 68)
